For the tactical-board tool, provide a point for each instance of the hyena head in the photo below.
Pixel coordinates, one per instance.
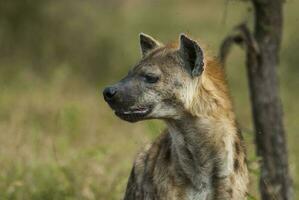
(161, 85)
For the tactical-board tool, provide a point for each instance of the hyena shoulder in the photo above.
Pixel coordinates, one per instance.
(153, 175)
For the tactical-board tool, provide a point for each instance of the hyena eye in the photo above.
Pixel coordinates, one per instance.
(149, 78)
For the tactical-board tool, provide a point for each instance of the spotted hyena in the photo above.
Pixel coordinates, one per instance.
(200, 156)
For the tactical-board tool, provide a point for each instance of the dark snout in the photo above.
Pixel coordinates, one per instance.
(117, 96)
(114, 96)
(122, 98)
(109, 93)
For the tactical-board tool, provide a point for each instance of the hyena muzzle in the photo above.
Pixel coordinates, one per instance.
(201, 155)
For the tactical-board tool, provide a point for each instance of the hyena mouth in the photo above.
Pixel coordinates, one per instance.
(133, 115)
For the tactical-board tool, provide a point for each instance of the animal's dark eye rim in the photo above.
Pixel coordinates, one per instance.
(150, 78)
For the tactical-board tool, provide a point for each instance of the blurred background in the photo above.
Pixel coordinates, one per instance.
(58, 138)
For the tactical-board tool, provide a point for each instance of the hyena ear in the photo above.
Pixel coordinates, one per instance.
(192, 55)
(147, 43)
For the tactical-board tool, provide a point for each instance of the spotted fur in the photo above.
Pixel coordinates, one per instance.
(200, 156)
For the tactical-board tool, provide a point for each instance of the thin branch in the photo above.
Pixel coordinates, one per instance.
(241, 36)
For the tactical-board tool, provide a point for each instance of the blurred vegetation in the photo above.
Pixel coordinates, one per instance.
(59, 140)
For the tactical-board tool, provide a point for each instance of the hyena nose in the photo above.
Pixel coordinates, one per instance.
(109, 93)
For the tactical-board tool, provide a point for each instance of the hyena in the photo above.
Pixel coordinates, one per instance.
(201, 155)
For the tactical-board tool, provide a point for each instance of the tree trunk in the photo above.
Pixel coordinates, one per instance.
(262, 50)
(275, 181)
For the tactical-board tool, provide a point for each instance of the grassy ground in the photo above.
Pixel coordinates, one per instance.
(59, 140)
(60, 144)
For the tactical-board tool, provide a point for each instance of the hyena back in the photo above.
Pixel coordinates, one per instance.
(201, 154)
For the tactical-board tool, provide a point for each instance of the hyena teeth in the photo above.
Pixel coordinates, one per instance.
(141, 111)
(136, 111)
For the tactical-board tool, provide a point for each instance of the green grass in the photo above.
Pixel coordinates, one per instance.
(59, 139)
(60, 144)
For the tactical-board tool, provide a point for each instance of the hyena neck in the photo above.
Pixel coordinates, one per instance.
(203, 147)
